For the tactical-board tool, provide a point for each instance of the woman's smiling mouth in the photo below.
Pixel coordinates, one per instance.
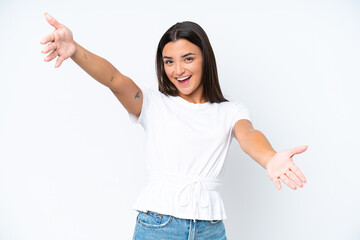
(184, 80)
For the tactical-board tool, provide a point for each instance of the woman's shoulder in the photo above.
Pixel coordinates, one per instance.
(150, 92)
(231, 102)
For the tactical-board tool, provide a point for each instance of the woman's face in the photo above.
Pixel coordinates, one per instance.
(183, 61)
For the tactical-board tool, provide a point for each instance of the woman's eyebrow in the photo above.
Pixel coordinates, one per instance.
(188, 54)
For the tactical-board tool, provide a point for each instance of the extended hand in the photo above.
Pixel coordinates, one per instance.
(282, 166)
(61, 42)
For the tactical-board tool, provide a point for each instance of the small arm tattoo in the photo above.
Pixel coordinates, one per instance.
(85, 56)
(112, 77)
(137, 95)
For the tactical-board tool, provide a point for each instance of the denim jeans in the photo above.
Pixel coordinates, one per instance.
(154, 226)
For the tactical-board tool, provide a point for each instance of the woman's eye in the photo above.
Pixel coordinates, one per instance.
(189, 59)
(168, 62)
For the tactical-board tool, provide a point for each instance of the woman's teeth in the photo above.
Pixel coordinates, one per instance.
(184, 78)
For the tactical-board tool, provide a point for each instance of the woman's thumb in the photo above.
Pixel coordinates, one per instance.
(299, 149)
(52, 21)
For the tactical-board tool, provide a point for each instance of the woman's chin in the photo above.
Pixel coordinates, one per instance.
(186, 93)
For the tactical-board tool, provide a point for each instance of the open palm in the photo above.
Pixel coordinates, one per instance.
(61, 43)
(281, 166)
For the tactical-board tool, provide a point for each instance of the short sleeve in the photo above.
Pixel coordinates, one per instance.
(146, 92)
(240, 111)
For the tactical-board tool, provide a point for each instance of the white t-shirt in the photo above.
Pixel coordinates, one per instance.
(187, 146)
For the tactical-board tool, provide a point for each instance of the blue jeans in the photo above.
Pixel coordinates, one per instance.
(154, 226)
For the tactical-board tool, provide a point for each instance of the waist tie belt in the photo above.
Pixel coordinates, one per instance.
(195, 186)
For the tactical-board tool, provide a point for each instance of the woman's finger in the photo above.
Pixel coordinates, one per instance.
(298, 150)
(277, 183)
(298, 173)
(294, 178)
(59, 62)
(52, 21)
(51, 56)
(48, 48)
(287, 181)
(48, 38)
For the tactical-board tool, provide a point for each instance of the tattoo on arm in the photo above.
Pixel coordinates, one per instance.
(85, 56)
(112, 77)
(137, 95)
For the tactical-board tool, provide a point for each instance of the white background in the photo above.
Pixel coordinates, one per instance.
(72, 163)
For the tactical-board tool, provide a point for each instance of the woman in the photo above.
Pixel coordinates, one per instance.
(189, 126)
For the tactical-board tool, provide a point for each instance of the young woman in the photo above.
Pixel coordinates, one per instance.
(189, 126)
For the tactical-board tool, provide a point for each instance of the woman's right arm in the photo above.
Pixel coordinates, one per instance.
(62, 45)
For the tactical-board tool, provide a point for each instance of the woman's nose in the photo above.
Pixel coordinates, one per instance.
(179, 69)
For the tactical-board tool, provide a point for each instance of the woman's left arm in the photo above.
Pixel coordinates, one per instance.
(279, 165)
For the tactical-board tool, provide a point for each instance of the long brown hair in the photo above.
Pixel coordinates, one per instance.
(196, 35)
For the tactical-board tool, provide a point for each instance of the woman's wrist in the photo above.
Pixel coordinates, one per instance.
(77, 46)
(268, 157)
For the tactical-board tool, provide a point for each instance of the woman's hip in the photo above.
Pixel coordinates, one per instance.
(155, 226)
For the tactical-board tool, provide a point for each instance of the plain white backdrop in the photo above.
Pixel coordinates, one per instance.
(72, 163)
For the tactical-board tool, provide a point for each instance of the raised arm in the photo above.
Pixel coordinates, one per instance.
(279, 165)
(62, 45)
